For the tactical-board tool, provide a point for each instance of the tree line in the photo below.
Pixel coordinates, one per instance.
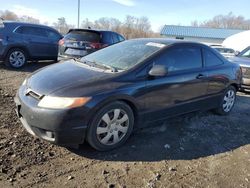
(133, 27)
(228, 21)
(130, 27)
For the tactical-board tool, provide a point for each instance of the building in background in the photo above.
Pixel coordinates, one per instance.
(199, 34)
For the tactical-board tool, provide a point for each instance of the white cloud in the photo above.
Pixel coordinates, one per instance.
(129, 3)
(26, 11)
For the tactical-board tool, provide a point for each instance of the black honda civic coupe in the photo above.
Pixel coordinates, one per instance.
(102, 97)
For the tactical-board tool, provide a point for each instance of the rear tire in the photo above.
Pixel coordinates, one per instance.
(16, 58)
(227, 101)
(111, 126)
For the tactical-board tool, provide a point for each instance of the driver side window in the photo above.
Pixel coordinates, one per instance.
(181, 58)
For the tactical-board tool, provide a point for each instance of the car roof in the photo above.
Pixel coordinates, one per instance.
(92, 30)
(18, 23)
(167, 41)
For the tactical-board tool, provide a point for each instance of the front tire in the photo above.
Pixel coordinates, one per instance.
(16, 58)
(111, 126)
(227, 102)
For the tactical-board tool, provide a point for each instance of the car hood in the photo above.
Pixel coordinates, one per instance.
(64, 75)
(243, 61)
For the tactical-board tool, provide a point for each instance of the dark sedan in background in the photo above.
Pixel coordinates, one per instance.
(80, 42)
(20, 42)
(243, 59)
(105, 95)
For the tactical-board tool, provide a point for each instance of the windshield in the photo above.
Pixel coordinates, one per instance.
(124, 55)
(83, 36)
(245, 53)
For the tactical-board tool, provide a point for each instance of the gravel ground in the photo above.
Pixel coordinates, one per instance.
(195, 150)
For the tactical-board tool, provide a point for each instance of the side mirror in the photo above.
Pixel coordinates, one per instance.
(236, 53)
(158, 70)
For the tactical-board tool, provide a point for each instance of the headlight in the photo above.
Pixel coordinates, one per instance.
(62, 102)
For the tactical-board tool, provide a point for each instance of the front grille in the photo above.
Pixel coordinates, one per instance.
(33, 94)
(246, 72)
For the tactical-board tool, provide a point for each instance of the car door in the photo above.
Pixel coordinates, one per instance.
(37, 41)
(182, 89)
(215, 68)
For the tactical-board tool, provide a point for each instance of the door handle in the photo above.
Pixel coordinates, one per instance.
(200, 76)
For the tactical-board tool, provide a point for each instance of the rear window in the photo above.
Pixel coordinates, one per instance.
(107, 38)
(83, 36)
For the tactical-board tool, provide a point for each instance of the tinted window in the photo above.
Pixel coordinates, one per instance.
(27, 30)
(88, 36)
(224, 50)
(107, 38)
(181, 58)
(115, 38)
(124, 55)
(53, 35)
(245, 53)
(211, 59)
(121, 38)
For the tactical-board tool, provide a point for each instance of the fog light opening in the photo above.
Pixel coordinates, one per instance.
(49, 134)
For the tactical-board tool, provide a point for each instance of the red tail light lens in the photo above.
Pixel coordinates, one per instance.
(61, 42)
(95, 45)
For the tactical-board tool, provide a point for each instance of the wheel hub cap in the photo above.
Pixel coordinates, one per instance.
(17, 59)
(112, 127)
(229, 100)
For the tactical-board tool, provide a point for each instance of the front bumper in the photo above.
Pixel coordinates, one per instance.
(61, 127)
(245, 83)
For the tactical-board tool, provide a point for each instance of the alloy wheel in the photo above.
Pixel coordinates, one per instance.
(17, 59)
(229, 100)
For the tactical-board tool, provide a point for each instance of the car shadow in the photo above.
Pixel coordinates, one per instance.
(29, 67)
(187, 137)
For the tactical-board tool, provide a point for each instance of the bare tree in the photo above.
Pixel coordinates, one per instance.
(131, 27)
(29, 19)
(229, 21)
(62, 26)
(8, 15)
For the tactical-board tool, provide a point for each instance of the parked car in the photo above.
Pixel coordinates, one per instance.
(80, 42)
(226, 52)
(20, 42)
(243, 59)
(102, 97)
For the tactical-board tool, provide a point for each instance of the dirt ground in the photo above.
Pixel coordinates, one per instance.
(196, 150)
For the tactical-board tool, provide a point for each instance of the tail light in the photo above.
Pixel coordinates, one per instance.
(61, 42)
(95, 45)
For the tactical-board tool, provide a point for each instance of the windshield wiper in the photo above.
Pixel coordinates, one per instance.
(113, 69)
(93, 63)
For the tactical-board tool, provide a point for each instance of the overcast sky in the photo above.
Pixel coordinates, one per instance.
(159, 12)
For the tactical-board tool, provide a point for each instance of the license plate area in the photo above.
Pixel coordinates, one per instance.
(76, 52)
